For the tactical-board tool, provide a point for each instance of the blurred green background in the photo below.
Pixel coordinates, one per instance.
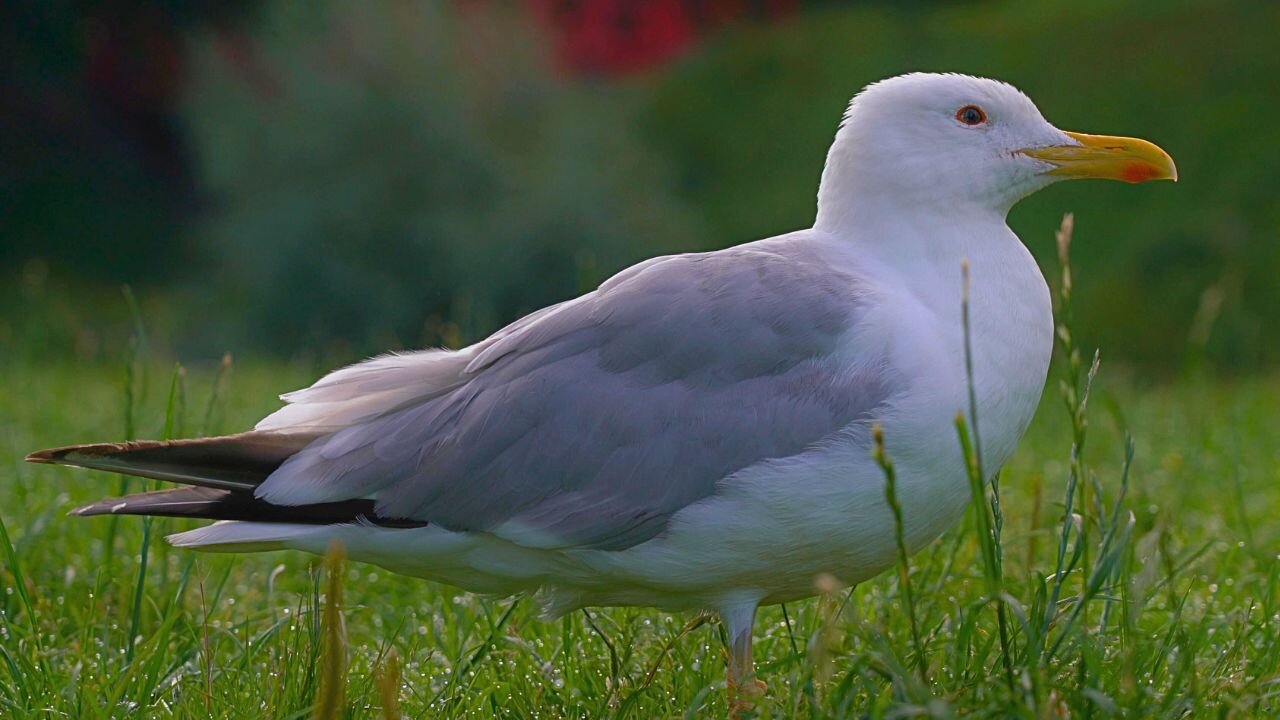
(327, 180)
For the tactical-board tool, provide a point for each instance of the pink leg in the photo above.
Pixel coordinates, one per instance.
(744, 690)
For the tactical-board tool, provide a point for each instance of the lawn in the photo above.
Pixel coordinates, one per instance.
(1165, 607)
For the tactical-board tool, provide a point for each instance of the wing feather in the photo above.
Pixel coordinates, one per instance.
(590, 423)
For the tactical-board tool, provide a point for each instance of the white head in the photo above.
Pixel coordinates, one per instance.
(955, 143)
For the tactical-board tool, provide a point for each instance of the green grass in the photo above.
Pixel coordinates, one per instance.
(1166, 606)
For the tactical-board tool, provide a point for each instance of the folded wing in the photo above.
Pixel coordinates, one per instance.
(590, 423)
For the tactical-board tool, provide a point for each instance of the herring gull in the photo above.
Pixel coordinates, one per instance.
(695, 433)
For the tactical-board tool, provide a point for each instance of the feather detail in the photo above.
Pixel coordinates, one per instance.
(215, 504)
(229, 462)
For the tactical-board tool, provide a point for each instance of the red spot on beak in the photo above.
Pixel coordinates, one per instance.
(1137, 172)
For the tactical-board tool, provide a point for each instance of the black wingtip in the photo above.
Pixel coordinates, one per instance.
(62, 455)
(216, 504)
(239, 462)
(109, 506)
(45, 457)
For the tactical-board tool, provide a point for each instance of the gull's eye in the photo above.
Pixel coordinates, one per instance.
(971, 115)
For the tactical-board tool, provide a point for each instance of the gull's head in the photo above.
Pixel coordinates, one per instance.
(955, 143)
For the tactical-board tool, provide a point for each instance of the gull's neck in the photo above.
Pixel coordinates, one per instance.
(922, 244)
(919, 249)
(919, 252)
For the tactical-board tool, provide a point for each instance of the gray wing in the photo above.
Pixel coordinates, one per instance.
(590, 423)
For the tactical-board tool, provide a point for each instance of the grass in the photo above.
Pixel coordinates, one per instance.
(1124, 565)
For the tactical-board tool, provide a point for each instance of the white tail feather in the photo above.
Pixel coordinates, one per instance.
(239, 536)
(368, 389)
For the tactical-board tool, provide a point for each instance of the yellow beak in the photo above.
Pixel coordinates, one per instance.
(1112, 158)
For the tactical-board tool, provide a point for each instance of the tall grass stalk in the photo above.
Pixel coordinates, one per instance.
(904, 560)
(986, 513)
(387, 678)
(333, 655)
(20, 586)
(1065, 565)
(1075, 390)
(135, 615)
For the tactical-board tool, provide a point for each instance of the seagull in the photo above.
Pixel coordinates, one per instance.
(695, 433)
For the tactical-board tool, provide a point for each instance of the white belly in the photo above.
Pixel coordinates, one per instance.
(774, 531)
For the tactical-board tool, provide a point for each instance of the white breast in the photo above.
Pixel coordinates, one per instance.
(777, 526)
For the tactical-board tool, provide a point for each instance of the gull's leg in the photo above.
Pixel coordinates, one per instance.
(743, 688)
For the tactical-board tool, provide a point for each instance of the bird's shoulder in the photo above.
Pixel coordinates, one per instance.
(771, 300)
